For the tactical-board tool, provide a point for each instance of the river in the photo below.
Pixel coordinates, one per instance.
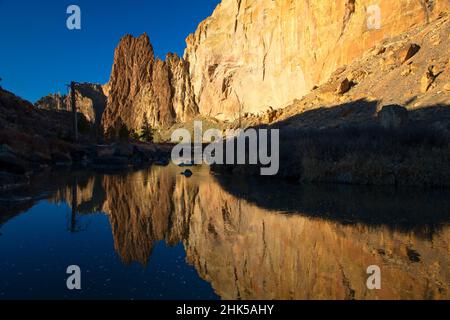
(155, 234)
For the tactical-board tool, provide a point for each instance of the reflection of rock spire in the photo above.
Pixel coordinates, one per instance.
(139, 207)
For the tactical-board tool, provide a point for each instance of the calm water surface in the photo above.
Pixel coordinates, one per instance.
(154, 234)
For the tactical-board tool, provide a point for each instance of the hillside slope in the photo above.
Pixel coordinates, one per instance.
(411, 70)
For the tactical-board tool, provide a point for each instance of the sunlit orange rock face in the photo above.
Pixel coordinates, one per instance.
(252, 55)
(249, 252)
(143, 86)
(139, 206)
(256, 54)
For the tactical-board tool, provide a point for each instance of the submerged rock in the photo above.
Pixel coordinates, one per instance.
(187, 173)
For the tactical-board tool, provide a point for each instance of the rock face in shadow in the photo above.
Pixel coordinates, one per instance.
(142, 86)
(17, 114)
(259, 54)
(393, 116)
(31, 138)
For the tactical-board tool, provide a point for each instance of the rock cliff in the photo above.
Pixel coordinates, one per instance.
(143, 86)
(90, 100)
(251, 55)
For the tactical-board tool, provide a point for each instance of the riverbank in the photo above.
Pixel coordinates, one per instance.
(16, 169)
(34, 141)
(409, 156)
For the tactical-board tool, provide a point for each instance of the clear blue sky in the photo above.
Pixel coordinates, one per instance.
(39, 55)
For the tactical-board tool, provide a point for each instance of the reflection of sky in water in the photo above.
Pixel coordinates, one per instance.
(37, 247)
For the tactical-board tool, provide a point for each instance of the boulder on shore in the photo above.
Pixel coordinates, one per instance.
(393, 116)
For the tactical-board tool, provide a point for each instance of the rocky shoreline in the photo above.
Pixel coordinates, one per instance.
(16, 171)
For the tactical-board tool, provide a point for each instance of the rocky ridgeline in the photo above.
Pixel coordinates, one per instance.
(90, 99)
(140, 87)
(249, 57)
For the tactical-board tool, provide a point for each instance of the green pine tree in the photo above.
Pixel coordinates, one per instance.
(146, 130)
(135, 135)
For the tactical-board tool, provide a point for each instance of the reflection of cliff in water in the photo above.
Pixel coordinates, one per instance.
(139, 206)
(249, 252)
(407, 209)
(253, 240)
